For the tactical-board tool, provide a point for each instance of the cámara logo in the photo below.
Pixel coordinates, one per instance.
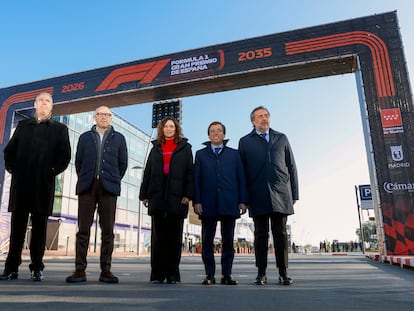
(390, 187)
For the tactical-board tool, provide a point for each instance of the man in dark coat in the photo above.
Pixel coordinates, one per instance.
(220, 194)
(38, 151)
(101, 162)
(273, 190)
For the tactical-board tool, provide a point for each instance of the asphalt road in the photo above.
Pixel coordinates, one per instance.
(320, 283)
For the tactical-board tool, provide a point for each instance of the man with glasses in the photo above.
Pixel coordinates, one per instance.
(101, 162)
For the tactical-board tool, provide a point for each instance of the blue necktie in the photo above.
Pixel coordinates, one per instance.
(263, 135)
(217, 151)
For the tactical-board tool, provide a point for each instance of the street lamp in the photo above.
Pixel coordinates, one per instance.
(138, 167)
(360, 225)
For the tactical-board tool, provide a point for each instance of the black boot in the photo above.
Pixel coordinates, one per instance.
(9, 275)
(283, 277)
(261, 278)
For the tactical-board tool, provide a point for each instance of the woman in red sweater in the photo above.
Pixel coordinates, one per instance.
(166, 189)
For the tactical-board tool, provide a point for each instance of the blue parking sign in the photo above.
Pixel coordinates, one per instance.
(365, 192)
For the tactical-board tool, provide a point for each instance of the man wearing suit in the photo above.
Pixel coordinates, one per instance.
(220, 195)
(272, 183)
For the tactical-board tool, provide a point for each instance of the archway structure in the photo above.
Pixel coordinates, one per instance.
(370, 47)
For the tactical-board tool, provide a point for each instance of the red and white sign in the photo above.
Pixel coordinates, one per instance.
(391, 117)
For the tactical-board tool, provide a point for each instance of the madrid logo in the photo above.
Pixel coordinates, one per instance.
(397, 155)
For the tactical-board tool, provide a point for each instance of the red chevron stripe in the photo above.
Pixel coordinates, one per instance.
(378, 48)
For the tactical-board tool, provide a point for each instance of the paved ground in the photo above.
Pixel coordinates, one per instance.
(320, 283)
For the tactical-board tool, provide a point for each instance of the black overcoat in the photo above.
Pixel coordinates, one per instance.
(165, 195)
(35, 154)
(271, 174)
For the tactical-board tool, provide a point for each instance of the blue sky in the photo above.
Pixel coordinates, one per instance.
(44, 39)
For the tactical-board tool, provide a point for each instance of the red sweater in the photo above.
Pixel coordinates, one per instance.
(167, 150)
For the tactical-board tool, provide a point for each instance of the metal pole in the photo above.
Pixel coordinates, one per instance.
(96, 232)
(139, 215)
(139, 229)
(139, 202)
(360, 224)
(67, 245)
(56, 233)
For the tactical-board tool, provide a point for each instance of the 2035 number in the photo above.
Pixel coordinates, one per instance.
(254, 54)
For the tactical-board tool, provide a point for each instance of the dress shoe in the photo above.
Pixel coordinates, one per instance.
(283, 277)
(171, 280)
(157, 281)
(8, 275)
(76, 277)
(261, 280)
(228, 280)
(208, 280)
(37, 276)
(285, 280)
(108, 277)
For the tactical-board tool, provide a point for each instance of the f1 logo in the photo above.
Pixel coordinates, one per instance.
(365, 192)
(144, 73)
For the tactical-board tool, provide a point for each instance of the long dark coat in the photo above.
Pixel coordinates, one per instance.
(35, 154)
(271, 173)
(165, 196)
(219, 182)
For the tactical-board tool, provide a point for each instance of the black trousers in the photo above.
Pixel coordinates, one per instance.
(105, 203)
(166, 243)
(208, 232)
(261, 239)
(19, 222)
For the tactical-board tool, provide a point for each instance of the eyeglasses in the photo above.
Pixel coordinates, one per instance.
(211, 131)
(104, 114)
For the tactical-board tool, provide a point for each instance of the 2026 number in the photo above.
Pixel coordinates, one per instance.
(73, 87)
